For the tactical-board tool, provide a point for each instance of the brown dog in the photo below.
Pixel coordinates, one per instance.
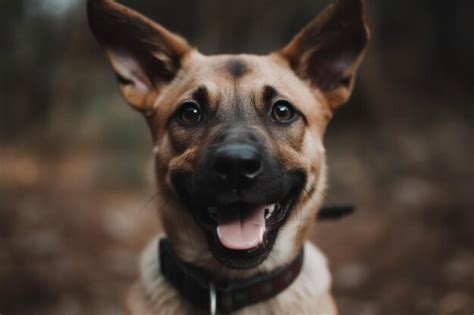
(240, 162)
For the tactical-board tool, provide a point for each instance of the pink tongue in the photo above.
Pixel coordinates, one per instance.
(241, 233)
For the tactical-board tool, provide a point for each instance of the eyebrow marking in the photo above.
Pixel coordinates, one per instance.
(201, 95)
(269, 92)
(237, 67)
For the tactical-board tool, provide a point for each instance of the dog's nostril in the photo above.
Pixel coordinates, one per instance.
(252, 168)
(238, 162)
(223, 167)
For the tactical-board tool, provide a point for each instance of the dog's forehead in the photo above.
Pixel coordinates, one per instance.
(238, 67)
(226, 78)
(246, 74)
(245, 71)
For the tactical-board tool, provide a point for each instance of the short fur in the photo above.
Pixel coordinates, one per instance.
(158, 71)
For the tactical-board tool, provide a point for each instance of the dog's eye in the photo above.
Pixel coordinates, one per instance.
(189, 114)
(283, 111)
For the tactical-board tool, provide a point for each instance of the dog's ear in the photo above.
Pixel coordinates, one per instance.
(144, 55)
(329, 50)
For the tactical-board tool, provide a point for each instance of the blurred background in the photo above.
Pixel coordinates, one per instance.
(75, 161)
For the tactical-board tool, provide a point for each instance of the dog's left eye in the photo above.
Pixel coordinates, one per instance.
(283, 111)
(189, 114)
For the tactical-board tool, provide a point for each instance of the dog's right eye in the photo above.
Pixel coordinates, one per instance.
(189, 114)
(283, 112)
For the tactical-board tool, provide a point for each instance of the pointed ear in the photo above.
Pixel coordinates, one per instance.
(329, 50)
(144, 55)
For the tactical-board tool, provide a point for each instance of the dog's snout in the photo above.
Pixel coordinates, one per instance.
(237, 164)
(236, 135)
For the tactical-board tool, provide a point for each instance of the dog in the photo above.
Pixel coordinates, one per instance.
(240, 161)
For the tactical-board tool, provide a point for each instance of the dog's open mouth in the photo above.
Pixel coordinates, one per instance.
(244, 227)
(241, 235)
(241, 227)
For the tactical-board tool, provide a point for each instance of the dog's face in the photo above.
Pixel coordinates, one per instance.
(238, 137)
(234, 150)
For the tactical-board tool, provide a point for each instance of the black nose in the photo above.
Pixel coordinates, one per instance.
(238, 164)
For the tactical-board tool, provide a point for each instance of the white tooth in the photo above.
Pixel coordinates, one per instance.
(269, 211)
(268, 214)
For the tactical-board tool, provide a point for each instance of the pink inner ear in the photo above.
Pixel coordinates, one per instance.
(128, 68)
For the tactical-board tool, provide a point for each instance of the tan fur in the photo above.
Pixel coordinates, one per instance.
(315, 72)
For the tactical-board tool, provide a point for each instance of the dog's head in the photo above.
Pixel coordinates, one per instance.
(239, 153)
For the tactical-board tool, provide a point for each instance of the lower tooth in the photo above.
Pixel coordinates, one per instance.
(268, 213)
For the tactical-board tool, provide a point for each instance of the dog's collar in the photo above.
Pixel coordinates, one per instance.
(199, 287)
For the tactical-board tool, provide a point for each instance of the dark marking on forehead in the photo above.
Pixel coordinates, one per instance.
(201, 95)
(269, 92)
(237, 67)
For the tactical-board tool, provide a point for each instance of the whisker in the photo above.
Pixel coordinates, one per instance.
(322, 193)
(311, 197)
(147, 203)
(281, 77)
(300, 217)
